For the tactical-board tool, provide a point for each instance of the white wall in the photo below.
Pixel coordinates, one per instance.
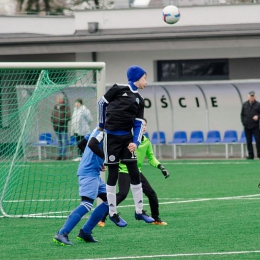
(52, 25)
(151, 18)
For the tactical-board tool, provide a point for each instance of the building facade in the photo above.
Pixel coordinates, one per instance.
(201, 57)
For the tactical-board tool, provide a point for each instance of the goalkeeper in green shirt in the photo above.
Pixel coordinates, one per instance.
(145, 149)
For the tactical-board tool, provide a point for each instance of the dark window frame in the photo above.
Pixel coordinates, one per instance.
(178, 72)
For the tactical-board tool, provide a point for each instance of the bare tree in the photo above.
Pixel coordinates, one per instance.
(53, 6)
(8, 7)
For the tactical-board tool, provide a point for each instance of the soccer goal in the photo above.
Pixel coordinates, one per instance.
(33, 182)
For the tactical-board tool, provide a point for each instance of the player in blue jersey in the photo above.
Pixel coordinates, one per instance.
(121, 111)
(91, 186)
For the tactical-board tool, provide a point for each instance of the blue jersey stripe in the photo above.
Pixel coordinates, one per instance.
(102, 105)
(138, 131)
(105, 147)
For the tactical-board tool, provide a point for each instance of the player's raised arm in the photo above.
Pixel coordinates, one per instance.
(138, 131)
(93, 144)
(103, 103)
(83, 143)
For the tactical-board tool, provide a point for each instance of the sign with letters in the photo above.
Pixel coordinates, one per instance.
(190, 107)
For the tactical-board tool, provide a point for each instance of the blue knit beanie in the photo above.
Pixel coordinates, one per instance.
(134, 73)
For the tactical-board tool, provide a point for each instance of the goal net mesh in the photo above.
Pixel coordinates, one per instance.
(34, 182)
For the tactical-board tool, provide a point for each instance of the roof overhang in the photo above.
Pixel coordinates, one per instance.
(117, 40)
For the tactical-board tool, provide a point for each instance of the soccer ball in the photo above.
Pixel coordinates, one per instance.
(171, 14)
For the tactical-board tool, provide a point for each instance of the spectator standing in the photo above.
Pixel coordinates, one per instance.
(250, 115)
(80, 123)
(60, 118)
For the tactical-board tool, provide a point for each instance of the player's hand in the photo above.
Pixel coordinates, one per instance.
(104, 168)
(255, 118)
(165, 173)
(132, 147)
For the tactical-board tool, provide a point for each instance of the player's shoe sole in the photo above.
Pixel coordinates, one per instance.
(101, 224)
(159, 223)
(78, 159)
(62, 240)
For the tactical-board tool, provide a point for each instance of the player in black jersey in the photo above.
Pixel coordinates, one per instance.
(121, 112)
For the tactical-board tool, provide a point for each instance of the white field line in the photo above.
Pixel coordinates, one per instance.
(164, 163)
(246, 197)
(52, 200)
(169, 202)
(203, 163)
(202, 200)
(175, 255)
(41, 200)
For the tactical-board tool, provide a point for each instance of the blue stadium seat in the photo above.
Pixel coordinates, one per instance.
(196, 137)
(73, 140)
(146, 134)
(242, 138)
(158, 138)
(213, 136)
(179, 137)
(45, 138)
(230, 136)
(242, 142)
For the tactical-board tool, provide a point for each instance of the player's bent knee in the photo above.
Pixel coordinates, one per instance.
(84, 198)
(103, 196)
(135, 181)
(120, 197)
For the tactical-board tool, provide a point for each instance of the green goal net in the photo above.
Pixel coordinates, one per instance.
(39, 122)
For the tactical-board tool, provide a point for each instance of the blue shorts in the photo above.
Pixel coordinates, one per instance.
(91, 187)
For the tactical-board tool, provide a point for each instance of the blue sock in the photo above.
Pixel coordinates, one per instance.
(95, 217)
(75, 217)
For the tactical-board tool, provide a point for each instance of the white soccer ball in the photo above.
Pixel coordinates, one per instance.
(171, 14)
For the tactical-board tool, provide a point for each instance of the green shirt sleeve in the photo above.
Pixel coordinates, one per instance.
(150, 155)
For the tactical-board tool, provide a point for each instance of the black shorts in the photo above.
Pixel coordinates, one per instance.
(115, 149)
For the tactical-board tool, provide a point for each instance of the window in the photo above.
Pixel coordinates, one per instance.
(172, 70)
(167, 70)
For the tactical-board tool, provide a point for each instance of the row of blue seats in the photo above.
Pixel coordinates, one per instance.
(179, 138)
(213, 136)
(47, 139)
